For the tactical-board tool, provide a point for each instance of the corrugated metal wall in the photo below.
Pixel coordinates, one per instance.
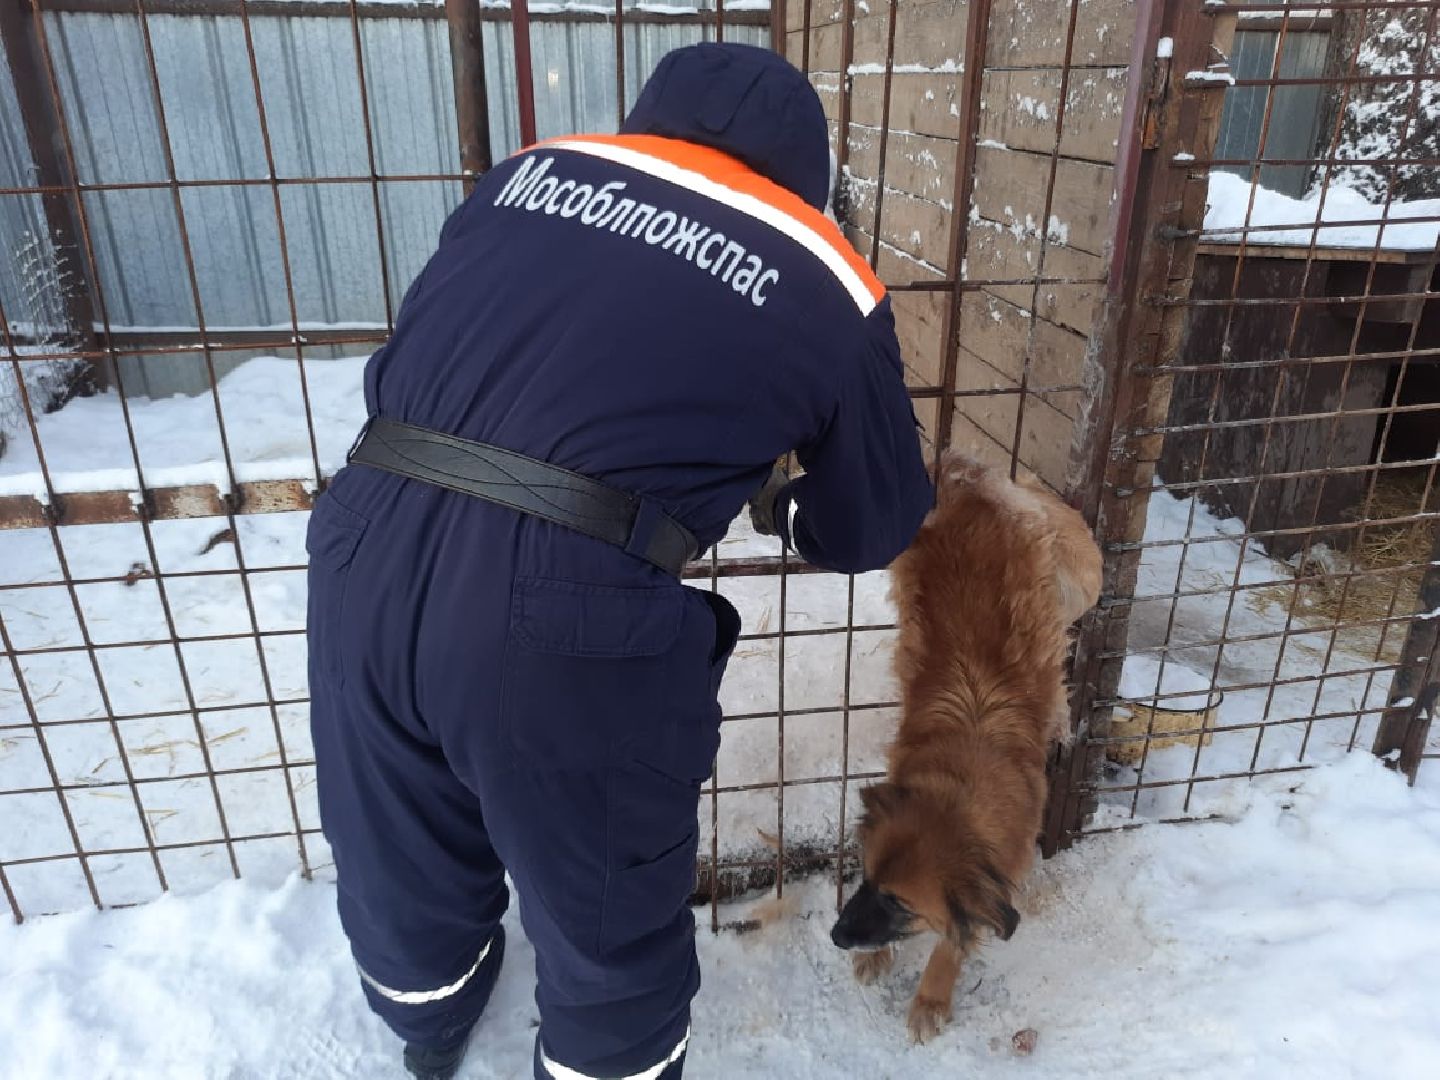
(21, 219)
(1295, 116)
(311, 90)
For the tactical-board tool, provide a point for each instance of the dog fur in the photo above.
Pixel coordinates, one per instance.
(986, 595)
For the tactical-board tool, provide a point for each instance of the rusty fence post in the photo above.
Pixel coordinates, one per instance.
(472, 104)
(39, 114)
(778, 19)
(1415, 693)
(977, 42)
(1158, 209)
(524, 70)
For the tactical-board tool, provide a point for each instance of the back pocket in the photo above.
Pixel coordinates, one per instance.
(586, 669)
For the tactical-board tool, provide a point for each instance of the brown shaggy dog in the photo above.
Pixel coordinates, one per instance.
(986, 595)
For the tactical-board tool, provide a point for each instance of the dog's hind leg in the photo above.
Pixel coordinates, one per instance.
(873, 965)
(930, 1011)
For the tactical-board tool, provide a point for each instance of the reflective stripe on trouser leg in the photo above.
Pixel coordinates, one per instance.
(424, 997)
(562, 1072)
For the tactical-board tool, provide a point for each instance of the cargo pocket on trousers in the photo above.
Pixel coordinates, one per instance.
(333, 534)
(585, 665)
(650, 899)
(682, 746)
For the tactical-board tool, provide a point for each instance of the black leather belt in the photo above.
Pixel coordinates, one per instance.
(637, 525)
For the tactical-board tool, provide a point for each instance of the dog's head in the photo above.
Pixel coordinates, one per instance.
(919, 875)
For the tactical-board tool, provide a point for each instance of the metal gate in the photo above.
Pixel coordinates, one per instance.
(1262, 447)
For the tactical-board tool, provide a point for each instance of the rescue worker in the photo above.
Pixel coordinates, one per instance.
(614, 341)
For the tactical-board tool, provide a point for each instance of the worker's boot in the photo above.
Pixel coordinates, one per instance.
(443, 1062)
(424, 1063)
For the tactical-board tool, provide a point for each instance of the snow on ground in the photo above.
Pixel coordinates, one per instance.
(1296, 940)
(226, 676)
(1230, 212)
(87, 449)
(1340, 674)
(239, 731)
(1293, 937)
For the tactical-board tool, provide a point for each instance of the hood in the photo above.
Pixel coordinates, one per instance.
(748, 102)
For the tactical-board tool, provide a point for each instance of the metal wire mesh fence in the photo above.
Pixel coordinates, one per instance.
(234, 194)
(1267, 487)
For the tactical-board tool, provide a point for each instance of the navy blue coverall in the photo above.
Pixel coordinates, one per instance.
(666, 311)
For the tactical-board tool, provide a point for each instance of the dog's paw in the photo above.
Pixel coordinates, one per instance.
(927, 1019)
(870, 966)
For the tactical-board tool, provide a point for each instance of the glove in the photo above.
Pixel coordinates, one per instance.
(762, 504)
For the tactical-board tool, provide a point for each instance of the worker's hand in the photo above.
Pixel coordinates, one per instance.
(762, 504)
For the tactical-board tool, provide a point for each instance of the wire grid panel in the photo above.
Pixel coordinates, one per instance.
(1011, 112)
(161, 450)
(162, 561)
(933, 107)
(156, 611)
(1271, 503)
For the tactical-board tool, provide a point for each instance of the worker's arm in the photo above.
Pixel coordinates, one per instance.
(866, 489)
